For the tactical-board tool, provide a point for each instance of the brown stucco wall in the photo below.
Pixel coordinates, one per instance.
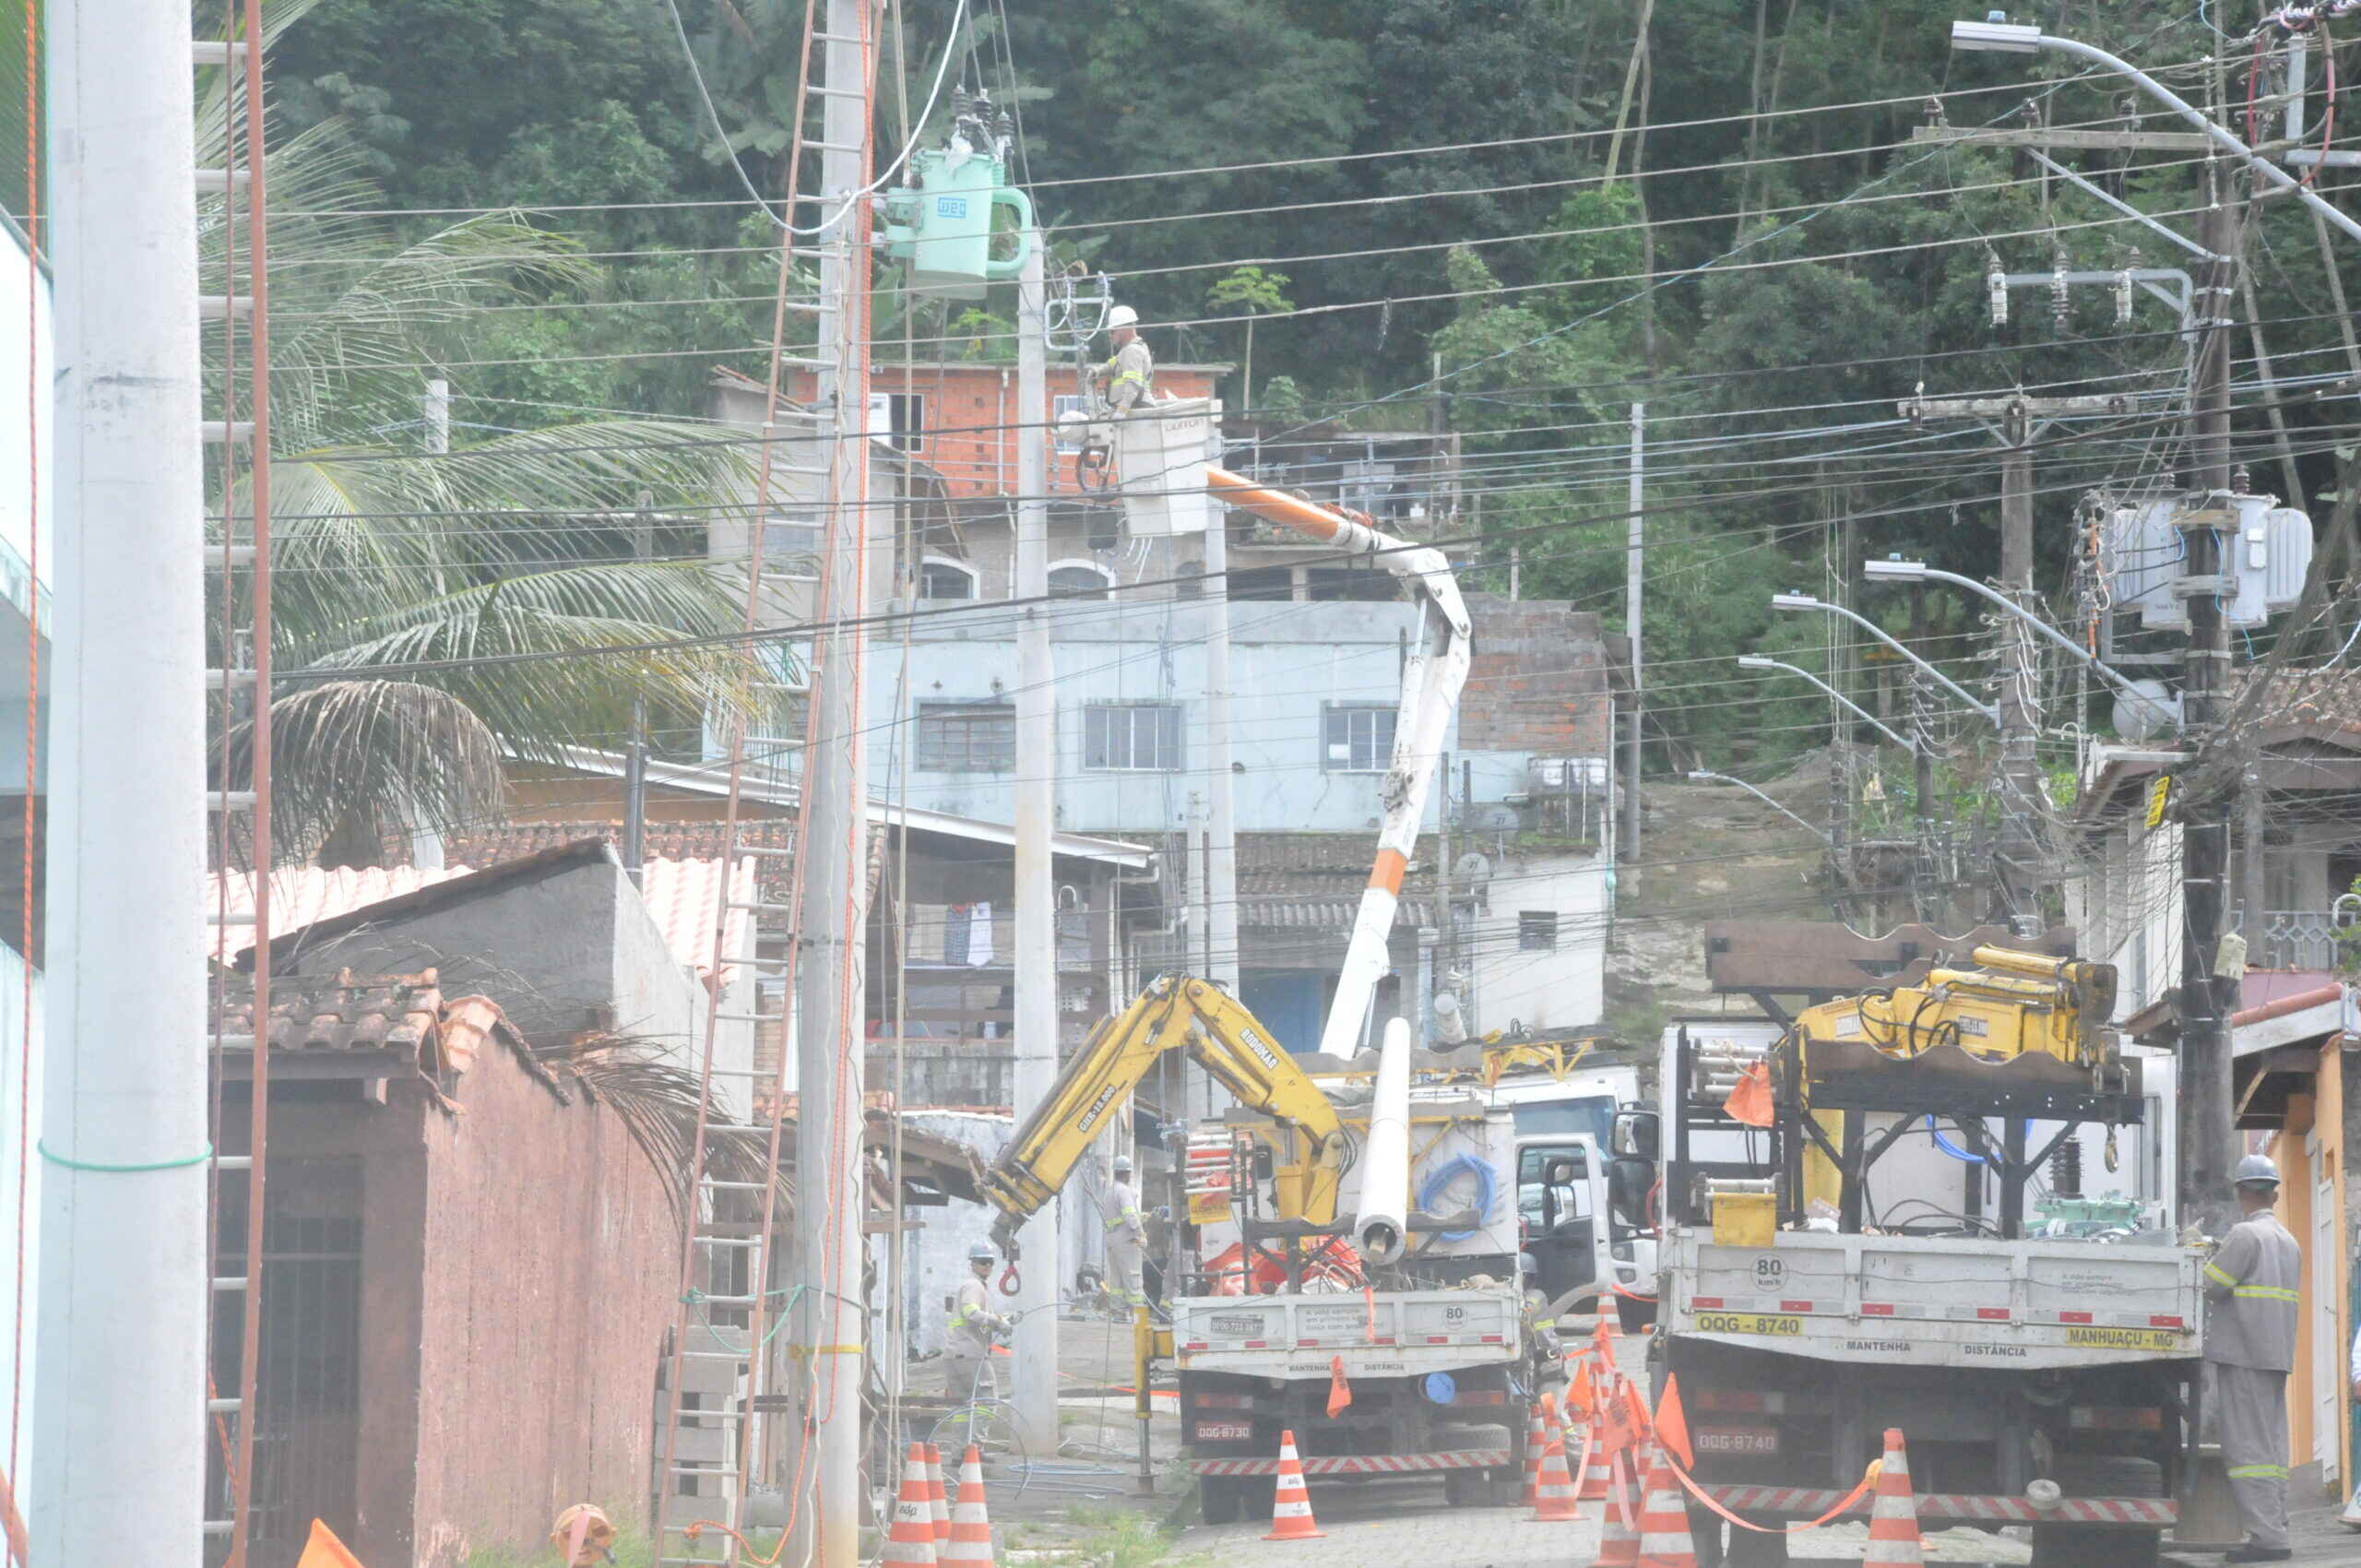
(1538, 679)
(550, 1270)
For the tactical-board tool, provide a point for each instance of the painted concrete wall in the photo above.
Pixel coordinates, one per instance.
(1560, 986)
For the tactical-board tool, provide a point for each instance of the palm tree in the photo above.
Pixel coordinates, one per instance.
(397, 572)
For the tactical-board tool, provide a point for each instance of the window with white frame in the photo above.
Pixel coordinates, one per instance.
(966, 737)
(1131, 737)
(1356, 738)
(1536, 930)
(1080, 579)
(939, 579)
(898, 418)
(791, 545)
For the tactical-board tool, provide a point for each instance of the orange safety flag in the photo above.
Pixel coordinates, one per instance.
(1641, 1421)
(1602, 1344)
(1619, 1432)
(324, 1550)
(1749, 1101)
(1672, 1425)
(1582, 1398)
(1340, 1391)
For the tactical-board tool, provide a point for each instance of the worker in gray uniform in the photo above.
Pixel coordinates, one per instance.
(967, 1352)
(1118, 1206)
(2251, 1300)
(1130, 375)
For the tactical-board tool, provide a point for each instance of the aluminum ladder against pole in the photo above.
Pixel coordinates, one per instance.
(241, 680)
(717, 1365)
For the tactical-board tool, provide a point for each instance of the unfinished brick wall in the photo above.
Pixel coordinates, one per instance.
(1538, 682)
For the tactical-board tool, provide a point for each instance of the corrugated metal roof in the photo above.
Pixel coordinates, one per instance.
(680, 895)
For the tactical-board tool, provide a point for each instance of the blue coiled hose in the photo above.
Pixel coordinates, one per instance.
(1486, 1189)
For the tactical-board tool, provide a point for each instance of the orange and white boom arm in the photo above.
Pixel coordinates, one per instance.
(1432, 683)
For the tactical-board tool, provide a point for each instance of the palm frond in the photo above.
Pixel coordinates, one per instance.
(374, 750)
(656, 1094)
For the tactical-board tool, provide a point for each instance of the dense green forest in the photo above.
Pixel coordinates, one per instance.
(1730, 221)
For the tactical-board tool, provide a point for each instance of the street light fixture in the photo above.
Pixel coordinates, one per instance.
(1997, 35)
(1757, 661)
(1892, 571)
(1703, 776)
(1806, 601)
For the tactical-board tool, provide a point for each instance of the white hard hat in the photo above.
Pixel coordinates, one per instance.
(979, 1251)
(1121, 315)
(1123, 1165)
(2257, 1171)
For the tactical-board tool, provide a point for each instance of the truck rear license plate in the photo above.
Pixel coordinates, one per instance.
(1778, 1324)
(2125, 1338)
(1225, 1431)
(1737, 1439)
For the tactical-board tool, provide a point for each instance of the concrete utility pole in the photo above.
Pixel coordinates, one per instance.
(1036, 1394)
(118, 1450)
(2208, 1133)
(1635, 556)
(1221, 805)
(831, 985)
(2016, 420)
(1928, 883)
(642, 547)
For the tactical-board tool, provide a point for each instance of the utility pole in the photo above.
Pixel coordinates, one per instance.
(1928, 881)
(1634, 558)
(1221, 819)
(2209, 1137)
(118, 1451)
(643, 546)
(2016, 420)
(1036, 1392)
(831, 985)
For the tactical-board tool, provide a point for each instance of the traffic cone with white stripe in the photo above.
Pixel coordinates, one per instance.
(1619, 1534)
(1591, 1486)
(1291, 1504)
(937, 1503)
(971, 1529)
(1664, 1541)
(910, 1542)
(1895, 1541)
(1535, 1440)
(1555, 1499)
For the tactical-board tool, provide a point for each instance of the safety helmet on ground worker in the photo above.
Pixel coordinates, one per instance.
(979, 1251)
(2257, 1171)
(1121, 315)
(1123, 1165)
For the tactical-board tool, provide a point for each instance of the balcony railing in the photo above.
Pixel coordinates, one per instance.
(2302, 939)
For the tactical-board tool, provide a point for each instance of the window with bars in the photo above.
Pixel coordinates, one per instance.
(1132, 737)
(966, 737)
(791, 545)
(1356, 738)
(946, 580)
(1536, 930)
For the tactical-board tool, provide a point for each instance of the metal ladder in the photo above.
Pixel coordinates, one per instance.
(243, 564)
(717, 1377)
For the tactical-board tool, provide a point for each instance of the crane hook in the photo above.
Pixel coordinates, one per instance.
(1010, 1282)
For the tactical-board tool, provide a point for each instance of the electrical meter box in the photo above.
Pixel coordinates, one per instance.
(1162, 450)
(942, 223)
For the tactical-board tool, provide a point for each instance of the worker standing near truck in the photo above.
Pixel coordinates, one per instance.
(967, 1352)
(2251, 1294)
(1130, 376)
(1118, 1206)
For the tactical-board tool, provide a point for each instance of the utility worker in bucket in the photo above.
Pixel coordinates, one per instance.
(967, 1351)
(1130, 376)
(1118, 1206)
(2251, 1298)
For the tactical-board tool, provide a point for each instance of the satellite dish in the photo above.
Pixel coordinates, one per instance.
(1472, 867)
(2150, 709)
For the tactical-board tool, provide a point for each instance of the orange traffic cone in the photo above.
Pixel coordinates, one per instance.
(1555, 1499)
(938, 1504)
(1895, 1541)
(1591, 1487)
(971, 1530)
(1664, 1519)
(1619, 1534)
(1535, 1440)
(1291, 1506)
(911, 1543)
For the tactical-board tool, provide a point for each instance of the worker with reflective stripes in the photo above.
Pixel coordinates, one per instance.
(2251, 1297)
(968, 1353)
(1130, 376)
(1118, 1206)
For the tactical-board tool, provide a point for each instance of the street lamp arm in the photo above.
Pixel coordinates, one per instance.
(1700, 774)
(2090, 661)
(1991, 713)
(1869, 717)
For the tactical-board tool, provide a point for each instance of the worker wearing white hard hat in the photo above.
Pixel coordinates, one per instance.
(1130, 375)
(2252, 1289)
(1118, 1206)
(967, 1351)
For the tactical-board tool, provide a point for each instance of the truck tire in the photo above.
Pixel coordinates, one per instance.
(2094, 1546)
(1219, 1500)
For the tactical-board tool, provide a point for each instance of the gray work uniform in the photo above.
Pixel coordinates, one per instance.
(968, 1355)
(1118, 1206)
(2251, 1298)
(1130, 376)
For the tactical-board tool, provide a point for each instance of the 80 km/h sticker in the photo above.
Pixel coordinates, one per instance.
(1774, 1324)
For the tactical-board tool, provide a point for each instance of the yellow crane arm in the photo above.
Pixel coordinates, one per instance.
(1173, 1013)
